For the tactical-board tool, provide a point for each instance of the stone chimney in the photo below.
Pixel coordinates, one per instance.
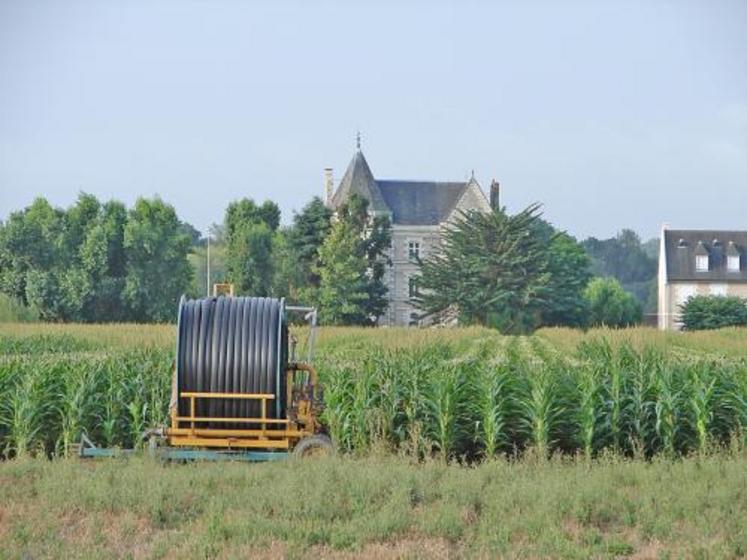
(329, 186)
(495, 195)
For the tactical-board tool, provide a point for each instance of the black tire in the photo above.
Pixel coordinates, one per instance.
(318, 445)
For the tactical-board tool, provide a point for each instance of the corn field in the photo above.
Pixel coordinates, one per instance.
(507, 395)
(53, 389)
(458, 393)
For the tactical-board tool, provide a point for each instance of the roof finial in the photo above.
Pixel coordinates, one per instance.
(473, 175)
(358, 141)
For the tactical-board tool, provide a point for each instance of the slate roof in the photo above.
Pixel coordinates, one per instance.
(359, 179)
(682, 245)
(408, 202)
(420, 202)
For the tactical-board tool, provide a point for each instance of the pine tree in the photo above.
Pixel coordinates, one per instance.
(492, 269)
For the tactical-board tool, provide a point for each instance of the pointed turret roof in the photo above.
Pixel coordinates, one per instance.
(358, 179)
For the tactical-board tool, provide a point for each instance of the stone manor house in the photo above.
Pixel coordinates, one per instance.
(418, 211)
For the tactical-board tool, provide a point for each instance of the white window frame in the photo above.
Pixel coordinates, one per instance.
(412, 287)
(733, 263)
(413, 249)
(702, 263)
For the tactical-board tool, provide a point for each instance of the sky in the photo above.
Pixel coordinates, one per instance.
(612, 114)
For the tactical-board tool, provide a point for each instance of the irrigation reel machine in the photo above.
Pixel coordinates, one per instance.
(237, 390)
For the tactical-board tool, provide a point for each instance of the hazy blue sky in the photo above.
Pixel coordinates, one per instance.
(614, 114)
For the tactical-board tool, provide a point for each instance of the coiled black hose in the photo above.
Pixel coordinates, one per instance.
(232, 345)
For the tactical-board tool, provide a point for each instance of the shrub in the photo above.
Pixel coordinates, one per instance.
(714, 312)
(610, 305)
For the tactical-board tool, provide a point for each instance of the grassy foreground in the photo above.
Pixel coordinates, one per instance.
(377, 507)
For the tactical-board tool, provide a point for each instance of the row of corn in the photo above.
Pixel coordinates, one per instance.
(48, 399)
(482, 397)
(522, 394)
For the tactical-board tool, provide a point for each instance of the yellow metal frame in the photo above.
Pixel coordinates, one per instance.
(223, 289)
(268, 433)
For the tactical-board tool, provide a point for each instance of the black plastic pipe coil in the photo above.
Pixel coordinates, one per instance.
(232, 345)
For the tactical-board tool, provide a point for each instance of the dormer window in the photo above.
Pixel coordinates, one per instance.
(701, 263)
(733, 258)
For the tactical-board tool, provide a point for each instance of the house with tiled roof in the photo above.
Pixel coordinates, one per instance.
(418, 212)
(699, 262)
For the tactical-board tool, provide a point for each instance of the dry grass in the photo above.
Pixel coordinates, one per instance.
(730, 342)
(109, 335)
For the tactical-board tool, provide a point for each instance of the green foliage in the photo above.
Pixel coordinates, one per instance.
(714, 312)
(158, 271)
(310, 228)
(295, 252)
(74, 265)
(610, 305)
(628, 260)
(487, 399)
(50, 399)
(452, 394)
(511, 272)
(351, 266)
(568, 265)
(342, 276)
(193, 234)
(249, 231)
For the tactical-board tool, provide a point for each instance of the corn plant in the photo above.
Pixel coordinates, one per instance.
(444, 398)
(590, 412)
(491, 390)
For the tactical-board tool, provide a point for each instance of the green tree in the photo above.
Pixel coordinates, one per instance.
(610, 305)
(624, 257)
(374, 238)
(569, 267)
(310, 228)
(492, 270)
(290, 276)
(158, 271)
(249, 230)
(363, 255)
(102, 258)
(194, 235)
(342, 275)
(31, 239)
(714, 312)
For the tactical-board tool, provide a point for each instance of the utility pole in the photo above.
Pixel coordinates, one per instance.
(207, 276)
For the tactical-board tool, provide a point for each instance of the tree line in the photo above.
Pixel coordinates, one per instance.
(94, 261)
(97, 262)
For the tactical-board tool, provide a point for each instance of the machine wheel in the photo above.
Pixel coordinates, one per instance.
(318, 445)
